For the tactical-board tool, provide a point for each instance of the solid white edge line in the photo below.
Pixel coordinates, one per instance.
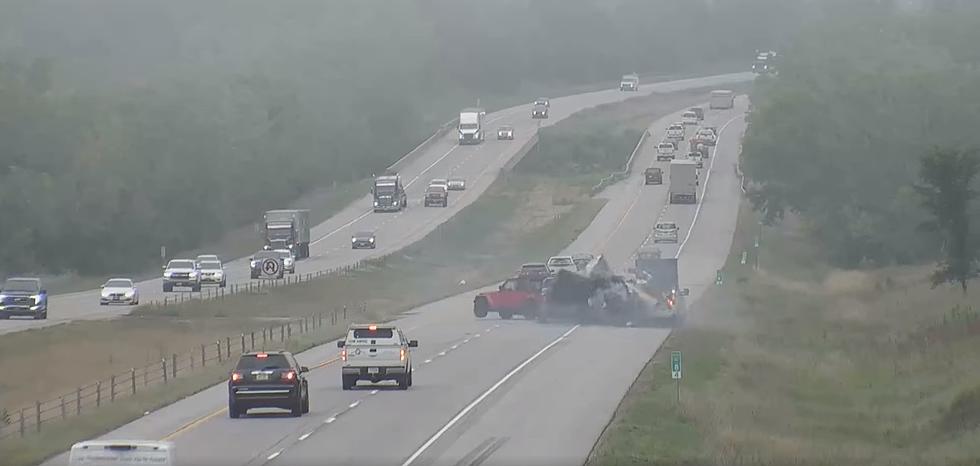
(705, 192)
(449, 425)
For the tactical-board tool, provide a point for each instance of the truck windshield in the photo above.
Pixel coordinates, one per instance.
(560, 262)
(468, 126)
(21, 285)
(280, 233)
(385, 189)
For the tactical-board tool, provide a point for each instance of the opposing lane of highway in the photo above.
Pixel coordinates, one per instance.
(331, 248)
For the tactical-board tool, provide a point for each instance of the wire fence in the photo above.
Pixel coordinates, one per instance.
(87, 398)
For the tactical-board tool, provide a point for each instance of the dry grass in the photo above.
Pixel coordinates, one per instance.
(804, 364)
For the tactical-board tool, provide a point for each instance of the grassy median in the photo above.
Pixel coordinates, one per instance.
(800, 363)
(525, 215)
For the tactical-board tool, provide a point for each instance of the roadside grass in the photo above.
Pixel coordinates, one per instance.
(800, 363)
(525, 215)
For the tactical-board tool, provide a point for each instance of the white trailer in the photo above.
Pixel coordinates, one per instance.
(683, 182)
(722, 99)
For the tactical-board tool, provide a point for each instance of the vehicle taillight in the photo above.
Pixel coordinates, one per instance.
(343, 355)
(236, 376)
(402, 354)
(289, 376)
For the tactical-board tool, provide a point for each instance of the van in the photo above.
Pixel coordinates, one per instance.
(122, 453)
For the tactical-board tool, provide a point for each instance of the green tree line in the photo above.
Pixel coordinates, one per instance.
(125, 126)
(838, 137)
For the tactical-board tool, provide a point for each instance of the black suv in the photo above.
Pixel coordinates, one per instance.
(268, 379)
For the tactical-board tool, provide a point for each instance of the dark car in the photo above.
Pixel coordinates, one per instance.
(653, 175)
(258, 262)
(436, 196)
(23, 297)
(363, 240)
(539, 111)
(535, 271)
(268, 379)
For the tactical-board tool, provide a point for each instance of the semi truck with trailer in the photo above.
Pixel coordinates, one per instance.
(288, 229)
(471, 130)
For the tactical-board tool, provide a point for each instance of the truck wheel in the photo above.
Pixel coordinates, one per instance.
(196, 288)
(348, 381)
(480, 307)
(233, 411)
(167, 288)
(403, 382)
(410, 376)
(297, 409)
(223, 284)
(530, 310)
(506, 315)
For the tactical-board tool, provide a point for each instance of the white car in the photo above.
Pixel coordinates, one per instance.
(697, 158)
(665, 150)
(665, 232)
(212, 273)
(207, 258)
(689, 118)
(376, 352)
(457, 184)
(505, 133)
(557, 263)
(675, 131)
(122, 452)
(119, 291)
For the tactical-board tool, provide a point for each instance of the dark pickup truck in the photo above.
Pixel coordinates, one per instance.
(23, 297)
(436, 196)
(653, 175)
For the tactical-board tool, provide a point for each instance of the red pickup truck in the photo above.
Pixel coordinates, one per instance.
(514, 296)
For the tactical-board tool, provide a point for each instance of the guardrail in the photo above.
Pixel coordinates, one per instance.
(627, 168)
(27, 420)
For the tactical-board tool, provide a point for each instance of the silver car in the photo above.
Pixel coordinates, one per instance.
(457, 184)
(119, 291)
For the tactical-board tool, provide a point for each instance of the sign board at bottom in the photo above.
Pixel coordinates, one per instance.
(675, 364)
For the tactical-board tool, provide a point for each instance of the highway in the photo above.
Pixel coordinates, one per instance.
(486, 391)
(330, 248)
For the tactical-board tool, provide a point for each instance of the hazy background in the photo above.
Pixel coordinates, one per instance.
(129, 125)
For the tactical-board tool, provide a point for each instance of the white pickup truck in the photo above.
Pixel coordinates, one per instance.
(665, 151)
(376, 352)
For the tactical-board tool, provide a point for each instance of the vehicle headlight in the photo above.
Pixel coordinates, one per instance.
(395, 203)
(3, 297)
(375, 203)
(353, 240)
(193, 273)
(254, 263)
(130, 293)
(36, 298)
(167, 274)
(372, 240)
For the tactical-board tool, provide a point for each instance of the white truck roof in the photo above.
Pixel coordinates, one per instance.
(122, 453)
(469, 117)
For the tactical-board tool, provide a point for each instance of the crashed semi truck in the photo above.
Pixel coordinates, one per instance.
(657, 280)
(593, 294)
(288, 229)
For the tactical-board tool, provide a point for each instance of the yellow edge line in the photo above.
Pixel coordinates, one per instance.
(201, 420)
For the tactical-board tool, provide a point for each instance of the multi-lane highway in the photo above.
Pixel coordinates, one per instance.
(486, 391)
(479, 165)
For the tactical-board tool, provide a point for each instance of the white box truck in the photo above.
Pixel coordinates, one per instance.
(470, 127)
(683, 181)
(722, 99)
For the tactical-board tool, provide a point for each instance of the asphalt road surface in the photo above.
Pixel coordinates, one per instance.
(486, 391)
(330, 248)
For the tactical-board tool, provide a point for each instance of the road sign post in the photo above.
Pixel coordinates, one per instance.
(718, 279)
(676, 371)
